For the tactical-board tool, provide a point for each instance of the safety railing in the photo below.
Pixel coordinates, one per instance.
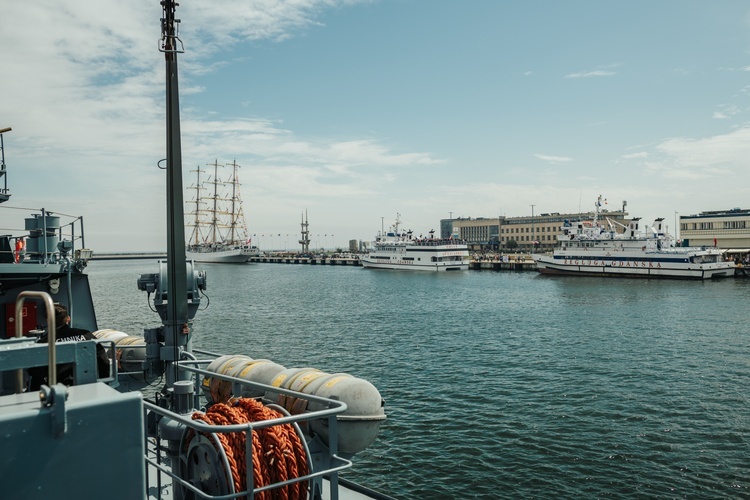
(331, 409)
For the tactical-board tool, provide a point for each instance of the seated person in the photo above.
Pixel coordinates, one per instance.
(64, 333)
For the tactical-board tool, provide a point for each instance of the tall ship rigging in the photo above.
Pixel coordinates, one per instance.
(218, 231)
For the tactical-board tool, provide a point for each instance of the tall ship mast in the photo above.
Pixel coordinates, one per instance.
(218, 229)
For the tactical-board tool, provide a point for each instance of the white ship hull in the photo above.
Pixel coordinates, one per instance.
(438, 266)
(633, 267)
(232, 256)
(588, 249)
(401, 250)
(418, 257)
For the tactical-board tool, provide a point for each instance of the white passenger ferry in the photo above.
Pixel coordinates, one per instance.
(588, 248)
(395, 249)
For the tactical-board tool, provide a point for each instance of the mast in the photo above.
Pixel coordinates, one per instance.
(177, 311)
(215, 209)
(195, 237)
(4, 193)
(305, 241)
(236, 215)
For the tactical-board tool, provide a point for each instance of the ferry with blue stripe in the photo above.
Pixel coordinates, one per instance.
(588, 248)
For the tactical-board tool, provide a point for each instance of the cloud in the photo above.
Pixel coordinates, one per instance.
(553, 159)
(600, 71)
(731, 148)
(725, 112)
(96, 113)
(590, 74)
(640, 154)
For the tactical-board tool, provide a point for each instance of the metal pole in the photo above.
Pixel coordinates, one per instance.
(177, 311)
(533, 234)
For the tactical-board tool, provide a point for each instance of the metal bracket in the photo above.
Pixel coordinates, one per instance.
(54, 399)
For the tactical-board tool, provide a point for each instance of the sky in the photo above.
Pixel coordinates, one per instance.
(354, 111)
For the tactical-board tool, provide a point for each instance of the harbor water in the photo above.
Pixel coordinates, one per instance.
(500, 384)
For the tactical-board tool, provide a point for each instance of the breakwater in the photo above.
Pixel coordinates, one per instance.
(518, 262)
(129, 255)
(296, 259)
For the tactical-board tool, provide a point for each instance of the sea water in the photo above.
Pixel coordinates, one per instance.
(499, 384)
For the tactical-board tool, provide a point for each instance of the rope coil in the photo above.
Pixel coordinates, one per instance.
(278, 452)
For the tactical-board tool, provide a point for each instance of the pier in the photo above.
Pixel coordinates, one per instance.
(129, 256)
(293, 259)
(512, 263)
(517, 264)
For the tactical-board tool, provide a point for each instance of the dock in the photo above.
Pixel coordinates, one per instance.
(503, 265)
(292, 259)
(129, 256)
(514, 264)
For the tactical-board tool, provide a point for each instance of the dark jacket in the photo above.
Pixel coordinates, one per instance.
(65, 370)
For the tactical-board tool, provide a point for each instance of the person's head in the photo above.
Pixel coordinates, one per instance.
(61, 315)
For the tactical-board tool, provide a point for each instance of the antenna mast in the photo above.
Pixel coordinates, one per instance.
(176, 320)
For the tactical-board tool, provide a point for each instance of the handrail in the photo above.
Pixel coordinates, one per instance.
(334, 406)
(337, 463)
(51, 348)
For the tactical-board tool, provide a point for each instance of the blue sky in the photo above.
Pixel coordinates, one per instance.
(356, 110)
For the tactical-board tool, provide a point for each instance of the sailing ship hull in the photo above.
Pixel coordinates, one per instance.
(652, 267)
(234, 256)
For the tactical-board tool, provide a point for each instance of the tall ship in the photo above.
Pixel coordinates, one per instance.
(163, 420)
(218, 231)
(591, 248)
(396, 249)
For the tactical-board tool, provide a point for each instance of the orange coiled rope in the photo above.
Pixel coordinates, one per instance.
(278, 453)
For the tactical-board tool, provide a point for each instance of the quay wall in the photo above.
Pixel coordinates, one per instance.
(331, 261)
(514, 263)
(128, 256)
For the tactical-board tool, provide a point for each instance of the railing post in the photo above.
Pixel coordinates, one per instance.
(51, 348)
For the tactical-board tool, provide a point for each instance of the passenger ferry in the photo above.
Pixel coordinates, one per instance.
(395, 249)
(588, 248)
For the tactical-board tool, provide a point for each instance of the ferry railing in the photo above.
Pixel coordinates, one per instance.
(333, 408)
(72, 231)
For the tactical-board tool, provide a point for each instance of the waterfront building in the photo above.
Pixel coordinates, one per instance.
(727, 229)
(528, 233)
(478, 233)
